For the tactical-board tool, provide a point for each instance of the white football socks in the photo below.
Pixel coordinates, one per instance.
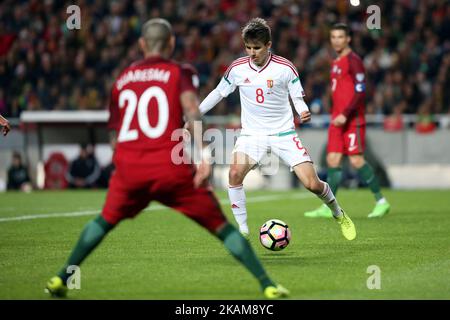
(328, 198)
(236, 195)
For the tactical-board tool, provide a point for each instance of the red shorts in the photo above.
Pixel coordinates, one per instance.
(132, 187)
(349, 140)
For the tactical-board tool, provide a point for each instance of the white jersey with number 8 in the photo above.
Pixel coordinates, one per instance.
(264, 93)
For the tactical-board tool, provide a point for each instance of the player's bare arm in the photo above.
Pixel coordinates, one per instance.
(5, 125)
(305, 116)
(190, 102)
(340, 120)
(113, 139)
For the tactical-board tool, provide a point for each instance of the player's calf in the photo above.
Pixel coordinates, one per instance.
(314, 185)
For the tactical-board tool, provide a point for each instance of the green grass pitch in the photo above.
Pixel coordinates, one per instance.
(163, 255)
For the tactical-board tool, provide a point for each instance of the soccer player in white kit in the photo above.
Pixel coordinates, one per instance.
(265, 82)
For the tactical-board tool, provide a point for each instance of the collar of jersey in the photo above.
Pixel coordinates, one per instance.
(154, 59)
(254, 67)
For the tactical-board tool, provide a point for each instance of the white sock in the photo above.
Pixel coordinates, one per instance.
(237, 201)
(328, 198)
(382, 201)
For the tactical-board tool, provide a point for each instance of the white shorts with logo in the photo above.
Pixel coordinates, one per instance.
(287, 147)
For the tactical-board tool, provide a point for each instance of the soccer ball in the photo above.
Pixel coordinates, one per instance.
(274, 235)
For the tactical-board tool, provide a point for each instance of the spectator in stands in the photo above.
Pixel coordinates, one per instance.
(42, 61)
(425, 122)
(394, 122)
(5, 126)
(18, 178)
(84, 171)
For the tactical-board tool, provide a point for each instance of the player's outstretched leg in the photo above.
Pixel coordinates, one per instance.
(367, 174)
(92, 234)
(243, 252)
(334, 177)
(347, 227)
(240, 166)
(237, 198)
(308, 176)
(333, 180)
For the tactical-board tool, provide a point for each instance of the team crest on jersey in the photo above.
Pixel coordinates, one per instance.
(336, 69)
(360, 77)
(269, 83)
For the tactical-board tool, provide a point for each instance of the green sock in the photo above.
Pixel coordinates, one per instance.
(334, 179)
(243, 252)
(367, 175)
(93, 233)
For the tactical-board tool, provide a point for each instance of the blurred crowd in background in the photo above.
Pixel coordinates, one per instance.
(82, 172)
(45, 66)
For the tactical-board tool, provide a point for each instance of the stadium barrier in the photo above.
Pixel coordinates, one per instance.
(412, 159)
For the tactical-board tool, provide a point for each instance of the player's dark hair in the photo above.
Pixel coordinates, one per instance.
(156, 33)
(341, 26)
(257, 29)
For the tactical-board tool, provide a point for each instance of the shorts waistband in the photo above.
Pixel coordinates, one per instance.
(280, 134)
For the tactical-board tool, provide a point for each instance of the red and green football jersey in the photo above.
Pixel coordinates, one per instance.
(348, 88)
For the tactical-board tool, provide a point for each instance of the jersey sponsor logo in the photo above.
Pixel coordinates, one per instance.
(352, 148)
(360, 77)
(246, 80)
(360, 87)
(269, 83)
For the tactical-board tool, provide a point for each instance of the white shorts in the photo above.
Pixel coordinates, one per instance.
(288, 147)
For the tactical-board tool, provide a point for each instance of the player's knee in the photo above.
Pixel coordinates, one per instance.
(333, 161)
(235, 176)
(357, 161)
